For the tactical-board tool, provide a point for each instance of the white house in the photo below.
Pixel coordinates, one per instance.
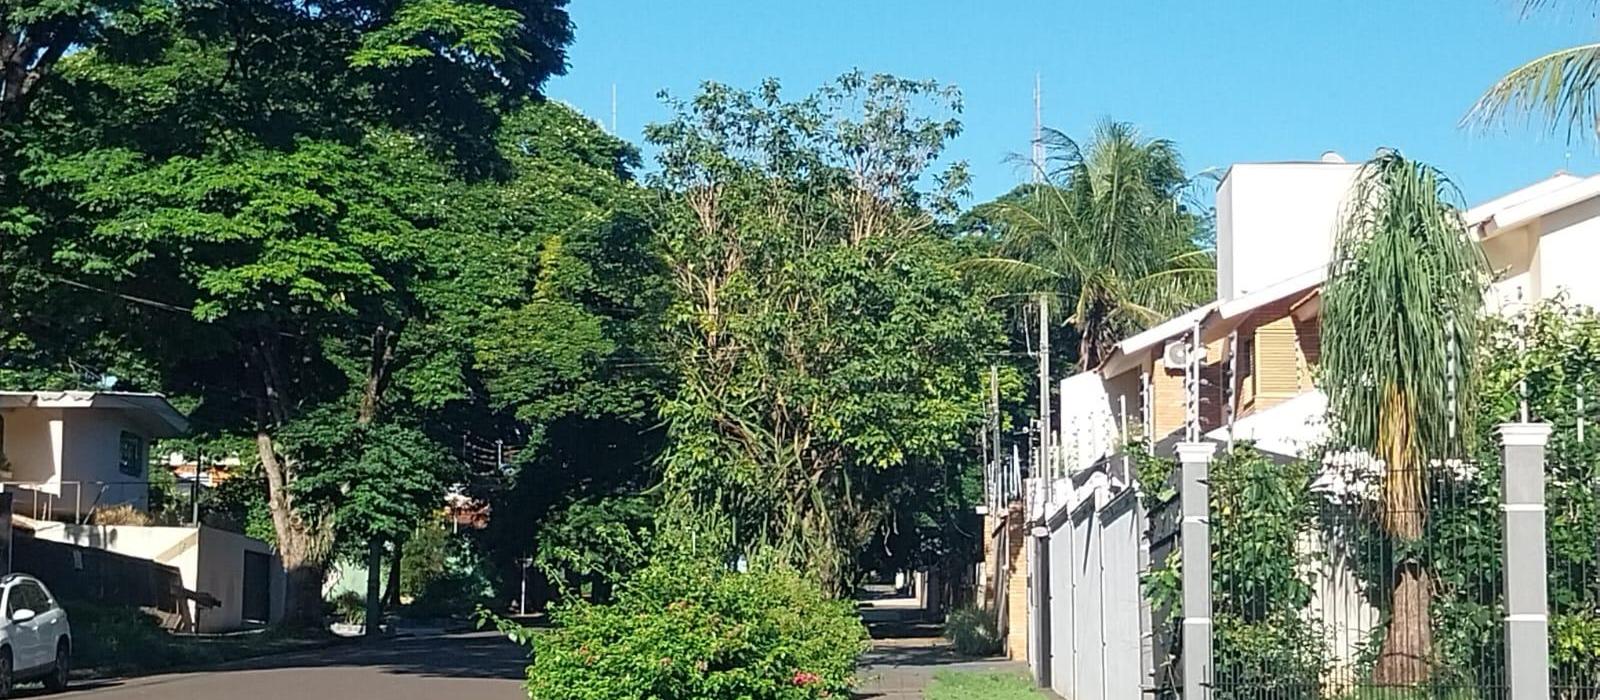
(1542, 240)
(1261, 337)
(73, 452)
(241, 575)
(70, 452)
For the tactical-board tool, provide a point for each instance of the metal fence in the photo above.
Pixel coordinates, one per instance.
(77, 501)
(1343, 581)
(1463, 580)
(1574, 581)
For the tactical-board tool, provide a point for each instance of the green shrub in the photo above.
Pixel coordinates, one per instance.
(972, 631)
(465, 583)
(1281, 656)
(696, 631)
(350, 607)
(424, 558)
(117, 637)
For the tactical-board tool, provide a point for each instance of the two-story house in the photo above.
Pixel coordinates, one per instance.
(70, 452)
(1260, 340)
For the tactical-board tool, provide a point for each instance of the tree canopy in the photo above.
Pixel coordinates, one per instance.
(822, 338)
(1109, 232)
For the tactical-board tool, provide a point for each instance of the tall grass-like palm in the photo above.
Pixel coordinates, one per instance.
(1106, 234)
(1561, 88)
(1402, 302)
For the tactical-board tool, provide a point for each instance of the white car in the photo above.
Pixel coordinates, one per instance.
(35, 640)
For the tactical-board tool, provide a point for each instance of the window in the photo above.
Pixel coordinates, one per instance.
(132, 462)
(33, 597)
(42, 598)
(26, 596)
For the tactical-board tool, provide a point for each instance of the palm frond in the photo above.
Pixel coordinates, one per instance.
(1531, 6)
(1107, 232)
(1016, 274)
(1560, 88)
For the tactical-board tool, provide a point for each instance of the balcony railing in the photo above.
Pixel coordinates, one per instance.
(72, 501)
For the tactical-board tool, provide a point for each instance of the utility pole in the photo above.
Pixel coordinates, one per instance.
(1038, 131)
(994, 436)
(522, 604)
(613, 109)
(1046, 461)
(194, 486)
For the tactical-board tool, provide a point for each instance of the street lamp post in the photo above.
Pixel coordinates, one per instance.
(522, 607)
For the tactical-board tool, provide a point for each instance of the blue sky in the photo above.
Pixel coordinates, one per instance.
(1228, 81)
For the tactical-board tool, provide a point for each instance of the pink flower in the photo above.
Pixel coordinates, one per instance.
(804, 678)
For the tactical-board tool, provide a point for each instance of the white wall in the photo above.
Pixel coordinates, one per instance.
(1568, 251)
(1275, 221)
(173, 546)
(32, 445)
(93, 451)
(208, 560)
(1088, 428)
(1512, 257)
(222, 575)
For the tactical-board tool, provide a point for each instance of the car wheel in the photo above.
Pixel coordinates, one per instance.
(6, 674)
(57, 680)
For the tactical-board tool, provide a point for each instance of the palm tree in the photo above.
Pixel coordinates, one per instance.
(1106, 233)
(1562, 87)
(1403, 298)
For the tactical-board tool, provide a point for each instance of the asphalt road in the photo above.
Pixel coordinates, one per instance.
(452, 667)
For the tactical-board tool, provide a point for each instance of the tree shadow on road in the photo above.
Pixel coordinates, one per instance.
(482, 655)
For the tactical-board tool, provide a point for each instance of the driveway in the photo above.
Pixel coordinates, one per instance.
(452, 667)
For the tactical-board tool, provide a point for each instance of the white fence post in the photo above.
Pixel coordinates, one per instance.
(1195, 495)
(1522, 448)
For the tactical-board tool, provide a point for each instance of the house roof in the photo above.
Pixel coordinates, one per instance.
(1291, 428)
(1514, 209)
(1307, 281)
(151, 411)
(1127, 352)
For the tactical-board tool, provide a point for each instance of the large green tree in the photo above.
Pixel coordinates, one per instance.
(823, 342)
(349, 233)
(1108, 232)
(1400, 330)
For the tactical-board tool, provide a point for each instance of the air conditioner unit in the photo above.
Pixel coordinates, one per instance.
(1175, 354)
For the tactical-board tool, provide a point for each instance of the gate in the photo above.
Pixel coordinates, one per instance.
(257, 592)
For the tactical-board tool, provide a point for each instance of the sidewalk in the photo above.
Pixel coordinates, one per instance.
(907, 650)
(900, 669)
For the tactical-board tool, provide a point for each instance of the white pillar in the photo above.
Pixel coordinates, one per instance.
(1527, 620)
(1195, 500)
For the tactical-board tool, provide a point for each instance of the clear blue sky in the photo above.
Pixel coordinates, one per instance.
(1228, 81)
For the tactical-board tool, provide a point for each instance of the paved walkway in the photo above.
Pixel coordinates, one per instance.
(907, 650)
(900, 669)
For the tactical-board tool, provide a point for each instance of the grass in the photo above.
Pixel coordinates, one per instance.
(966, 685)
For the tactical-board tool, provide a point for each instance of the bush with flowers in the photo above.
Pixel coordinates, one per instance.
(694, 630)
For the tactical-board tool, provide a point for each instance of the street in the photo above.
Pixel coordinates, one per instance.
(459, 667)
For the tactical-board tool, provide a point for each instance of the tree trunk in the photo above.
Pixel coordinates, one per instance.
(300, 548)
(392, 597)
(374, 617)
(302, 600)
(1407, 655)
